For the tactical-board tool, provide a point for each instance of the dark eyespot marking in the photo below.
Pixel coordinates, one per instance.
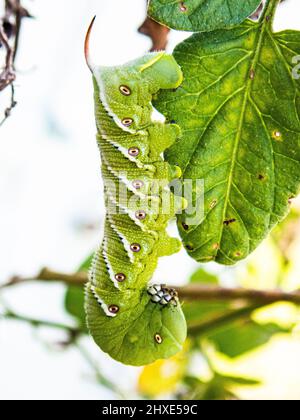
(158, 338)
(127, 122)
(113, 309)
(134, 151)
(140, 215)
(137, 184)
(261, 177)
(135, 247)
(228, 222)
(189, 247)
(125, 90)
(120, 277)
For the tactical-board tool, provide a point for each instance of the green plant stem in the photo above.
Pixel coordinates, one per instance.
(269, 11)
(41, 323)
(75, 333)
(99, 375)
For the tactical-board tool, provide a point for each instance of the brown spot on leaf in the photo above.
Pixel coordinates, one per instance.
(185, 226)
(229, 221)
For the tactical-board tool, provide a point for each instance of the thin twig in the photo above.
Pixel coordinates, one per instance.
(73, 331)
(13, 103)
(10, 26)
(99, 375)
(46, 275)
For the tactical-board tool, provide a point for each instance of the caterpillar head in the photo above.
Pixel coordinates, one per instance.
(126, 91)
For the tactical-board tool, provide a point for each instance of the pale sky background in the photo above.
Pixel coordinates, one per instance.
(50, 186)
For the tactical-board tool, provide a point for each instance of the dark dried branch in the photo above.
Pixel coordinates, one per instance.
(157, 32)
(10, 26)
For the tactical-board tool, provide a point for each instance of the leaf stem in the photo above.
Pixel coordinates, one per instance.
(269, 12)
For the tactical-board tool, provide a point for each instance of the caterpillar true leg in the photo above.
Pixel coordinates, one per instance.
(136, 323)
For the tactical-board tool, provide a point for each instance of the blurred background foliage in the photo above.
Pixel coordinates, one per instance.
(50, 191)
(222, 333)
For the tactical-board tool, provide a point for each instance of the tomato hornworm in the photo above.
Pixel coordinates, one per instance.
(132, 320)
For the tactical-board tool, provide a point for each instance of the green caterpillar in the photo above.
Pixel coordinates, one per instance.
(133, 321)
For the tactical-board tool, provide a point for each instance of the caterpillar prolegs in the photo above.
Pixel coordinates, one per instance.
(133, 321)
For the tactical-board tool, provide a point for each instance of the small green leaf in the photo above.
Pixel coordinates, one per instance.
(201, 15)
(74, 303)
(74, 297)
(239, 109)
(242, 337)
(218, 388)
(204, 311)
(238, 380)
(203, 276)
(86, 265)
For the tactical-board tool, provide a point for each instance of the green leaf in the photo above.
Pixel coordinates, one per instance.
(74, 297)
(204, 311)
(239, 108)
(203, 276)
(86, 265)
(238, 380)
(240, 338)
(201, 15)
(74, 303)
(218, 388)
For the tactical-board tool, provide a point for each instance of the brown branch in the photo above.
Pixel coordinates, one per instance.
(195, 292)
(46, 275)
(203, 293)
